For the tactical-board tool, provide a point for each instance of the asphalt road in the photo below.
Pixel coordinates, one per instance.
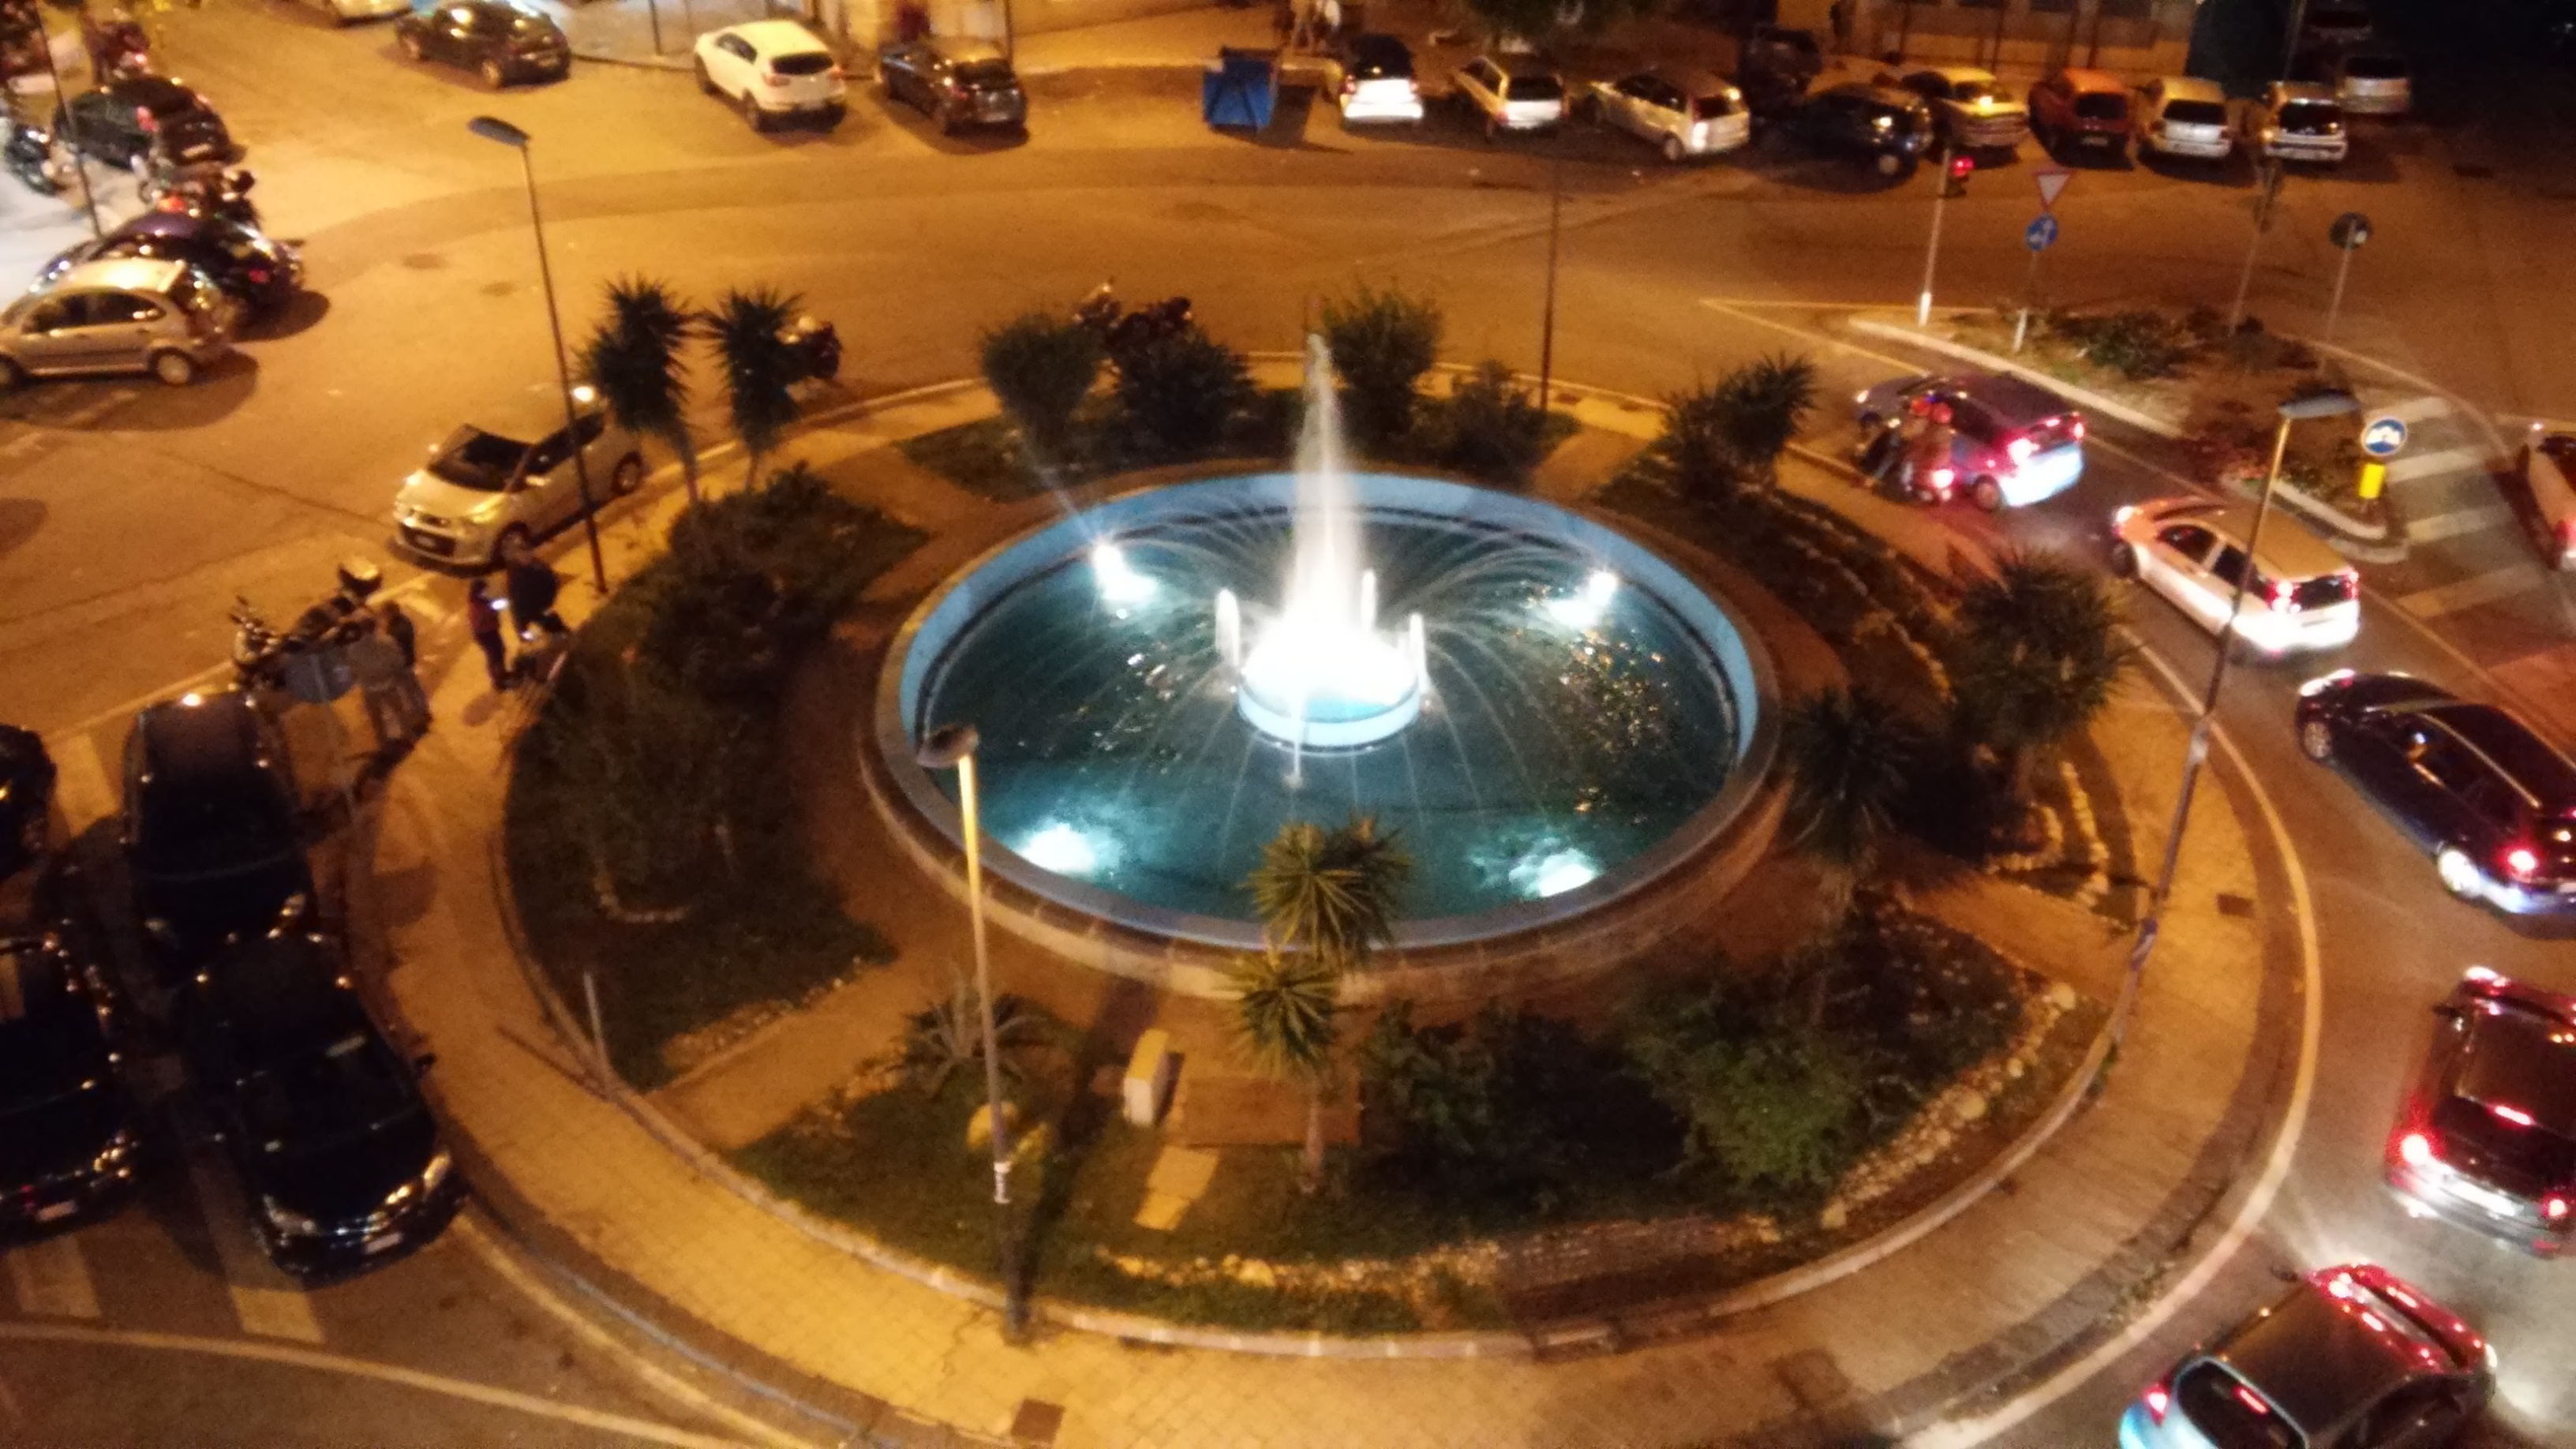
(130, 515)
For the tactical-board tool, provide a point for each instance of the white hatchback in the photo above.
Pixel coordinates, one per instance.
(2296, 121)
(2301, 596)
(2185, 116)
(772, 68)
(2372, 83)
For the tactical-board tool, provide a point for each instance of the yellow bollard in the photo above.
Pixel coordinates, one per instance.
(2373, 474)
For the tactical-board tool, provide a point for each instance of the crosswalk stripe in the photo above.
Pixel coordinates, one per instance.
(265, 1300)
(2472, 591)
(2414, 409)
(2445, 460)
(50, 1279)
(80, 780)
(2458, 521)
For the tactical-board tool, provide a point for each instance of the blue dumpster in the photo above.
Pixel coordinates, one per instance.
(1241, 88)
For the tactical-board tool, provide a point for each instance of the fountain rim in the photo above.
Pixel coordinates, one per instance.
(1053, 541)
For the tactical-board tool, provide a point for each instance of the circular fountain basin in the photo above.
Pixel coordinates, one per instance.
(1591, 717)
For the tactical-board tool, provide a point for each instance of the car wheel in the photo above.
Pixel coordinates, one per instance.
(1988, 493)
(411, 47)
(626, 477)
(2459, 876)
(751, 113)
(1674, 151)
(2124, 561)
(706, 82)
(11, 374)
(2316, 740)
(176, 369)
(1889, 164)
(493, 76)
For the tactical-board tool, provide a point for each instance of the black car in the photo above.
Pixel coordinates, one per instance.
(2487, 1135)
(1888, 128)
(320, 1115)
(955, 82)
(212, 839)
(498, 42)
(245, 262)
(26, 798)
(69, 1137)
(1775, 66)
(122, 123)
(2494, 802)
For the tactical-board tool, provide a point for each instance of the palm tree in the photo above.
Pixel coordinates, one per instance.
(2038, 658)
(1851, 759)
(1329, 893)
(633, 358)
(1764, 402)
(1285, 1010)
(759, 368)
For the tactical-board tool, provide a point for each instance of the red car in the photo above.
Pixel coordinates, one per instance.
(2487, 1138)
(2085, 109)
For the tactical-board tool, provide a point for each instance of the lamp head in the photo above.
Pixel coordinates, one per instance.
(493, 128)
(2332, 403)
(946, 747)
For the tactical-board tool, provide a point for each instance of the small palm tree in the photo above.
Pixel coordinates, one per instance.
(759, 368)
(1851, 759)
(1041, 366)
(1694, 444)
(1382, 343)
(633, 358)
(1764, 403)
(1286, 1009)
(1329, 893)
(2038, 658)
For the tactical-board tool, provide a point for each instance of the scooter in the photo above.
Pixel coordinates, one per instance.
(34, 159)
(261, 652)
(817, 345)
(205, 191)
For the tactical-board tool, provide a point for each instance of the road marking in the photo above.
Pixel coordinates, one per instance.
(84, 416)
(645, 1430)
(80, 780)
(2475, 519)
(265, 1300)
(50, 1279)
(2414, 409)
(2472, 591)
(2446, 460)
(1811, 335)
(1956, 1434)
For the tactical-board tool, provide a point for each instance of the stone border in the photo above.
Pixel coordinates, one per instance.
(1441, 958)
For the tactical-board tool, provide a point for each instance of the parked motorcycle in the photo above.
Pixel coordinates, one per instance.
(262, 653)
(817, 345)
(34, 159)
(1122, 331)
(205, 190)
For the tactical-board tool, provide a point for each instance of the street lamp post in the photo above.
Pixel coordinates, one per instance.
(1932, 249)
(63, 108)
(2320, 405)
(1555, 221)
(491, 128)
(953, 747)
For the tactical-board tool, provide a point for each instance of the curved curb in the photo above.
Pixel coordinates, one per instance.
(940, 1277)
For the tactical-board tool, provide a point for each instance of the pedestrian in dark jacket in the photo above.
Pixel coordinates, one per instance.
(483, 622)
(398, 628)
(532, 587)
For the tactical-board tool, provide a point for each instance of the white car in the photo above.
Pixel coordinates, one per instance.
(1371, 79)
(1511, 93)
(485, 485)
(343, 12)
(1974, 111)
(2301, 596)
(2185, 116)
(2296, 121)
(1683, 113)
(2372, 83)
(770, 69)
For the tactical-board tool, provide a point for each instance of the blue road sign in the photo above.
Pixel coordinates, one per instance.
(2042, 231)
(2382, 436)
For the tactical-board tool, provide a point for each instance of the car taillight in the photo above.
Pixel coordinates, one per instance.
(2021, 449)
(2520, 862)
(259, 274)
(1942, 478)
(2075, 429)
(2281, 594)
(143, 121)
(773, 78)
(2417, 1149)
(2554, 1207)
(1350, 85)
(837, 73)
(2159, 1401)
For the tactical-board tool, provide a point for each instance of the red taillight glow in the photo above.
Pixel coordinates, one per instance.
(2076, 427)
(1942, 478)
(2416, 1148)
(2520, 862)
(2158, 1403)
(2514, 1115)
(2252, 1400)
(2554, 1208)
(773, 78)
(2281, 594)
(2021, 449)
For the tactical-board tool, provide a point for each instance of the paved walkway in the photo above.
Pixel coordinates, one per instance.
(666, 1228)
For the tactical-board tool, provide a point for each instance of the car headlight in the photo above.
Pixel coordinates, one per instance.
(434, 1174)
(118, 1149)
(292, 1224)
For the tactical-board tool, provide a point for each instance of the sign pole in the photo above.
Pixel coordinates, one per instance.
(2029, 295)
(2334, 308)
(1932, 251)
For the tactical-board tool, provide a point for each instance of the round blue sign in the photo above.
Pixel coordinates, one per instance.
(2042, 231)
(2382, 436)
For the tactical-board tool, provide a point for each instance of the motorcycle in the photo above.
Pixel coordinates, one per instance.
(34, 159)
(1122, 331)
(816, 344)
(204, 191)
(262, 652)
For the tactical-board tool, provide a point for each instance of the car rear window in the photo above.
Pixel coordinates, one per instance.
(1971, 92)
(803, 62)
(2102, 106)
(1534, 88)
(2230, 1415)
(2516, 1061)
(2312, 118)
(1383, 61)
(1716, 105)
(2196, 113)
(2375, 67)
(477, 459)
(2054, 432)
(985, 72)
(2324, 590)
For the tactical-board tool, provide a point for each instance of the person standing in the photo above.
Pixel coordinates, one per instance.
(483, 622)
(531, 586)
(406, 640)
(375, 662)
(1839, 16)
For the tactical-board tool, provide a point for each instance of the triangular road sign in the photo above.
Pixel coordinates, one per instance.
(2052, 182)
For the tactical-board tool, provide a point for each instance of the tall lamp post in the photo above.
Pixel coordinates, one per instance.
(2320, 405)
(492, 128)
(63, 107)
(953, 747)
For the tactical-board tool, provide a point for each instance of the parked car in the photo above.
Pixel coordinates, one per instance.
(345, 12)
(2353, 1357)
(486, 484)
(26, 799)
(2296, 121)
(2332, 26)
(2548, 469)
(1777, 63)
(2013, 443)
(2493, 801)
(1887, 128)
(771, 69)
(1682, 113)
(498, 41)
(2371, 83)
(2301, 594)
(2185, 116)
(318, 1113)
(2085, 111)
(249, 265)
(69, 1133)
(1971, 107)
(955, 82)
(125, 314)
(212, 836)
(123, 122)
(1370, 78)
(2486, 1138)
(1511, 93)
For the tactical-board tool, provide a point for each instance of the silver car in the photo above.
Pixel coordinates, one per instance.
(1510, 93)
(1684, 113)
(2297, 121)
(2372, 83)
(487, 485)
(1971, 106)
(125, 314)
(2184, 116)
